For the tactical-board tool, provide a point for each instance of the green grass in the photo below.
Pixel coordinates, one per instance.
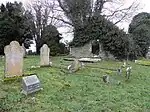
(143, 62)
(83, 91)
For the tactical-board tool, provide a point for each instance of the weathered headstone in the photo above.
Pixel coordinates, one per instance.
(24, 50)
(128, 72)
(30, 84)
(44, 55)
(75, 66)
(13, 60)
(106, 78)
(119, 70)
(148, 54)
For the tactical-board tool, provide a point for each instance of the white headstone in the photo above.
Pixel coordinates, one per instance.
(44, 55)
(13, 59)
(24, 50)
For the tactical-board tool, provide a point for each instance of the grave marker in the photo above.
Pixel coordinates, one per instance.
(30, 84)
(44, 55)
(13, 60)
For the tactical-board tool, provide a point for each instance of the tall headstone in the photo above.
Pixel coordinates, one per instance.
(13, 59)
(24, 50)
(44, 55)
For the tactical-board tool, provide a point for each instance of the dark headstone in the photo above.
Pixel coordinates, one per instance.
(30, 84)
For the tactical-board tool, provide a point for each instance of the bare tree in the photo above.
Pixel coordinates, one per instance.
(114, 10)
(44, 12)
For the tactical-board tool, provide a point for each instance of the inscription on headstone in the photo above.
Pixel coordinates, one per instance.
(13, 59)
(44, 55)
(30, 84)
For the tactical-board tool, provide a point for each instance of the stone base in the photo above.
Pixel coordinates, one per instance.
(12, 78)
(90, 60)
(45, 66)
(30, 92)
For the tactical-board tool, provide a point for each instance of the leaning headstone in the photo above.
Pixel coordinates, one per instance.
(30, 84)
(44, 55)
(75, 66)
(13, 60)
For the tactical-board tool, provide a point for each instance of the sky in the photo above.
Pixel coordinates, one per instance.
(145, 7)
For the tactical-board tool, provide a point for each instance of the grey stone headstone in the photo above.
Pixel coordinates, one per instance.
(13, 59)
(75, 66)
(106, 78)
(44, 55)
(30, 84)
(24, 50)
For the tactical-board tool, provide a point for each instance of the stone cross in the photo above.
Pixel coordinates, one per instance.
(44, 55)
(13, 59)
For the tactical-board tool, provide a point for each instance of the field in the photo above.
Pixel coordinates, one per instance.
(83, 91)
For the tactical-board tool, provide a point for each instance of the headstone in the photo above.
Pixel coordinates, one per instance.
(13, 59)
(24, 50)
(119, 70)
(75, 66)
(128, 71)
(106, 78)
(148, 54)
(44, 55)
(30, 84)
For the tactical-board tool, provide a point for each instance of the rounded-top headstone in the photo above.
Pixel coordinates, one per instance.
(13, 59)
(44, 55)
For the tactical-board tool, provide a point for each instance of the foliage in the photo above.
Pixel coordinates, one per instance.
(81, 91)
(88, 16)
(140, 33)
(41, 13)
(143, 62)
(112, 38)
(13, 25)
(51, 37)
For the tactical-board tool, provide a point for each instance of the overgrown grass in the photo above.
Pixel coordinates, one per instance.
(83, 91)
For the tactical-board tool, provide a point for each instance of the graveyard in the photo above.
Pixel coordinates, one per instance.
(83, 90)
(74, 56)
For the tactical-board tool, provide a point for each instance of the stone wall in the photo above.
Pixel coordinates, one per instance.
(86, 51)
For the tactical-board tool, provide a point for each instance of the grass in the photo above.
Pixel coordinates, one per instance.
(143, 62)
(83, 91)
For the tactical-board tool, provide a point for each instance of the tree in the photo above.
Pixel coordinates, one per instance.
(13, 25)
(139, 29)
(113, 39)
(115, 10)
(79, 12)
(41, 14)
(51, 37)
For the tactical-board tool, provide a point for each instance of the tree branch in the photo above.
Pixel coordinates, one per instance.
(61, 20)
(62, 7)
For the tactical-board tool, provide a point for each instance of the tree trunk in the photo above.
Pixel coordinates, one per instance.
(38, 46)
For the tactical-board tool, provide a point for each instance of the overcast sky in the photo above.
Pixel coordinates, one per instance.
(145, 4)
